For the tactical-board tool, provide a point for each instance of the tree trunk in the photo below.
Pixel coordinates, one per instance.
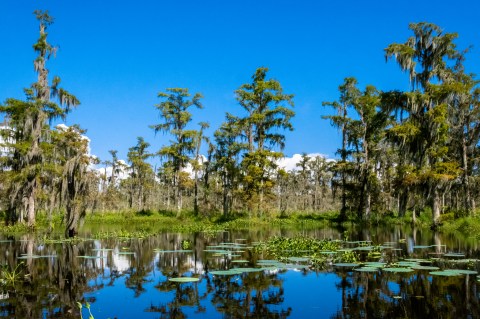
(178, 193)
(195, 197)
(466, 184)
(436, 206)
(225, 201)
(368, 206)
(31, 210)
(72, 219)
(402, 203)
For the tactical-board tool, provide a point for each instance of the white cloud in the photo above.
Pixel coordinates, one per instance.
(290, 163)
(189, 168)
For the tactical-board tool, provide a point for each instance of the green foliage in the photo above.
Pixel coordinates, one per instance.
(10, 277)
(279, 247)
(87, 306)
(465, 225)
(186, 244)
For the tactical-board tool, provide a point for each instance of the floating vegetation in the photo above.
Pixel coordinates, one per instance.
(367, 269)
(454, 255)
(240, 261)
(397, 269)
(420, 267)
(446, 273)
(184, 279)
(92, 257)
(389, 243)
(375, 264)
(418, 260)
(267, 262)
(28, 257)
(421, 247)
(406, 263)
(293, 266)
(296, 246)
(245, 270)
(216, 251)
(298, 259)
(230, 272)
(124, 234)
(466, 271)
(173, 251)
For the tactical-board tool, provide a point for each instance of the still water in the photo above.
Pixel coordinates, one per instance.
(129, 279)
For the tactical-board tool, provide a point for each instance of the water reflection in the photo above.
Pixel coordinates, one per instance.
(416, 295)
(129, 278)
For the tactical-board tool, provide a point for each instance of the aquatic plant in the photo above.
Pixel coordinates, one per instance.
(186, 244)
(124, 234)
(11, 276)
(87, 306)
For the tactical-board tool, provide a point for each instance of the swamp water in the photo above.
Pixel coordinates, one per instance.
(136, 278)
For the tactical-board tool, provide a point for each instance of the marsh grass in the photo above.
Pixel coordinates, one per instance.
(10, 277)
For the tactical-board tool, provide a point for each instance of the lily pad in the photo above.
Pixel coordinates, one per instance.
(447, 273)
(367, 269)
(174, 251)
(242, 270)
(397, 269)
(184, 279)
(216, 251)
(454, 255)
(420, 267)
(225, 272)
(298, 259)
(421, 247)
(374, 264)
(29, 257)
(418, 260)
(406, 263)
(267, 262)
(294, 266)
(466, 271)
(464, 261)
(240, 261)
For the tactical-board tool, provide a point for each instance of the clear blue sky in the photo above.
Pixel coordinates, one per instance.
(115, 56)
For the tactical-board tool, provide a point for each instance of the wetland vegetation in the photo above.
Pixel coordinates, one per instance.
(388, 229)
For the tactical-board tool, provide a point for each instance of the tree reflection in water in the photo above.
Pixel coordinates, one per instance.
(412, 295)
(49, 287)
(53, 285)
(249, 295)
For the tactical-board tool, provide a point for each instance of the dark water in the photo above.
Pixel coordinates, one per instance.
(132, 280)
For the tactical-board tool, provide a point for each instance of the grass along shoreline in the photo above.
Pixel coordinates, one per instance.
(147, 223)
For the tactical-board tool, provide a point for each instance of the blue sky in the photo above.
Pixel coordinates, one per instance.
(115, 56)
